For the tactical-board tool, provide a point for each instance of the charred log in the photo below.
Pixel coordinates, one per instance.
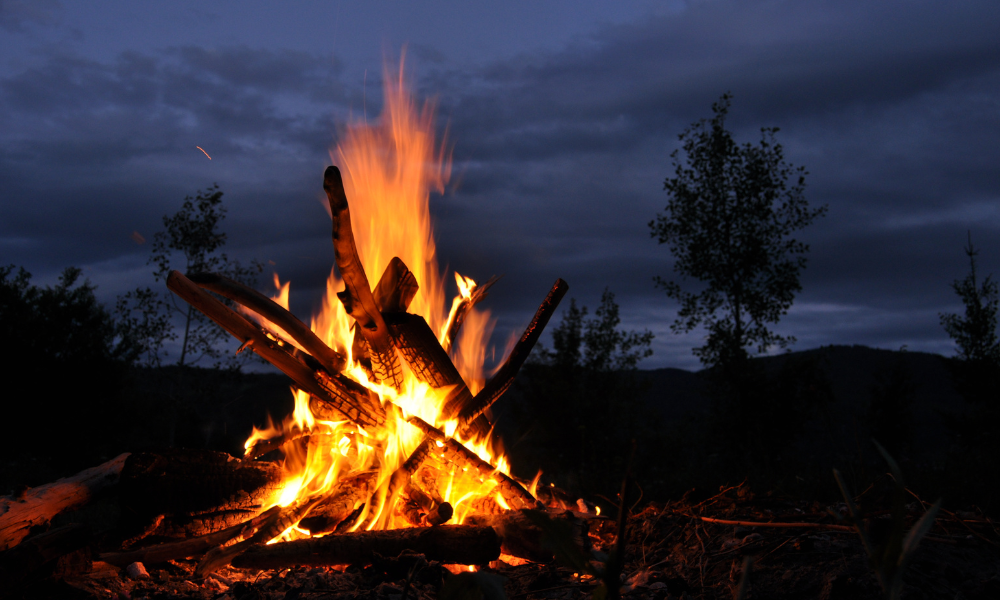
(275, 314)
(349, 399)
(348, 494)
(357, 295)
(455, 544)
(32, 510)
(423, 353)
(463, 308)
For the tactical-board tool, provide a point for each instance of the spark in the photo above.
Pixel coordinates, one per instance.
(203, 150)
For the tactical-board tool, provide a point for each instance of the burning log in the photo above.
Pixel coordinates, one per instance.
(348, 398)
(396, 288)
(423, 353)
(347, 495)
(357, 295)
(451, 450)
(275, 313)
(421, 510)
(454, 544)
(469, 409)
(463, 308)
(33, 509)
(521, 537)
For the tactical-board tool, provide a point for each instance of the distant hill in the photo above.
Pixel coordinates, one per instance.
(853, 372)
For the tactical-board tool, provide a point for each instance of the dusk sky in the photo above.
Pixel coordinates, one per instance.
(561, 117)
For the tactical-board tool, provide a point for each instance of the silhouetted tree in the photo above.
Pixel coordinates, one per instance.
(728, 222)
(579, 402)
(190, 243)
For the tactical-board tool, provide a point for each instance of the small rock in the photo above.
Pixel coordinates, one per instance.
(659, 585)
(753, 537)
(137, 570)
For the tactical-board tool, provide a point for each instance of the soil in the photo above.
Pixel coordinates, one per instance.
(671, 553)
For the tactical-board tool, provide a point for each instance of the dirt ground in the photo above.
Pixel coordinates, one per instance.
(672, 552)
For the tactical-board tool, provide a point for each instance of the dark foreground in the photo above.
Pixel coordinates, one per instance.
(672, 552)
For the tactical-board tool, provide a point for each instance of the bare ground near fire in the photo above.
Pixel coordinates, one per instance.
(672, 551)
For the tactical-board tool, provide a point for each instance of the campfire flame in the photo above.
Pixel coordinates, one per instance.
(389, 169)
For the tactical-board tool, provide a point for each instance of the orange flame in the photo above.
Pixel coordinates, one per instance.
(389, 170)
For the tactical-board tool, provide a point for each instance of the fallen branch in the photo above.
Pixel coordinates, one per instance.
(33, 509)
(830, 527)
(454, 544)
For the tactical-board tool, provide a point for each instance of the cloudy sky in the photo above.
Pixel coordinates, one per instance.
(562, 117)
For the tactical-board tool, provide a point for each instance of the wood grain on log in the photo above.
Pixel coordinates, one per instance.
(423, 353)
(396, 288)
(454, 544)
(357, 295)
(34, 509)
(339, 393)
(274, 313)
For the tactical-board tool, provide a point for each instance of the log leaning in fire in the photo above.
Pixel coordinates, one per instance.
(454, 544)
(348, 494)
(453, 451)
(393, 294)
(34, 508)
(470, 409)
(347, 398)
(422, 351)
(357, 295)
(274, 313)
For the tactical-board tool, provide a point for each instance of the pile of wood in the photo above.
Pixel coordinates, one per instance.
(206, 505)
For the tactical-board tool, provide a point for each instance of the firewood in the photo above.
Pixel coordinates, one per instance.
(453, 544)
(357, 295)
(521, 537)
(453, 451)
(471, 409)
(346, 397)
(423, 353)
(396, 288)
(28, 558)
(33, 509)
(200, 491)
(463, 308)
(275, 314)
(347, 495)
(189, 547)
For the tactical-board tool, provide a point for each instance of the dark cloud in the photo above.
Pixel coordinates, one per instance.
(560, 156)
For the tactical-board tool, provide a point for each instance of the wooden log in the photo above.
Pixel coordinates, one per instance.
(463, 308)
(187, 548)
(275, 314)
(453, 544)
(347, 495)
(357, 295)
(31, 558)
(520, 536)
(200, 491)
(33, 509)
(421, 350)
(453, 451)
(339, 393)
(469, 410)
(396, 288)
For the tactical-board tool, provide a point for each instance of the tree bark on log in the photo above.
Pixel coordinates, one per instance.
(357, 295)
(349, 493)
(454, 544)
(274, 314)
(346, 397)
(423, 353)
(33, 509)
(396, 288)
